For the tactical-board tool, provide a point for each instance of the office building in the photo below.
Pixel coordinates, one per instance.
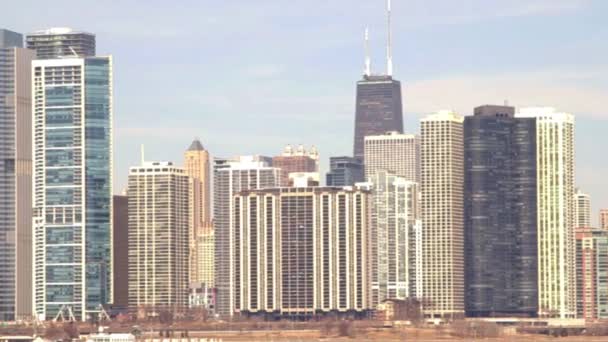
(582, 209)
(442, 186)
(205, 256)
(396, 237)
(397, 153)
(120, 248)
(604, 218)
(378, 104)
(72, 185)
(555, 207)
(61, 42)
(196, 164)
(592, 273)
(230, 176)
(344, 171)
(301, 251)
(500, 213)
(296, 161)
(159, 235)
(15, 177)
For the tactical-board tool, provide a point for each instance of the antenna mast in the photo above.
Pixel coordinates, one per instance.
(368, 62)
(389, 52)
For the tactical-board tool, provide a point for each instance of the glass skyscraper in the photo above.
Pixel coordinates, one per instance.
(72, 185)
(344, 171)
(500, 213)
(379, 109)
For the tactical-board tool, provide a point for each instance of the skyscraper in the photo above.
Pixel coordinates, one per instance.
(592, 273)
(72, 189)
(301, 251)
(344, 171)
(500, 213)
(297, 161)
(395, 237)
(205, 256)
(61, 42)
(442, 186)
(396, 153)
(159, 235)
(120, 248)
(604, 218)
(231, 177)
(555, 207)
(582, 209)
(378, 105)
(15, 177)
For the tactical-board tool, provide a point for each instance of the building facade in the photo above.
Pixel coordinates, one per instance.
(378, 109)
(301, 251)
(582, 209)
(230, 177)
(500, 213)
(159, 235)
(72, 185)
(555, 207)
(604, 218)
(592, 273)
(344, 171)
(205, 256)
(394, 152)
(442, 186)
(61, 42)
(15, 177)
(395, 236)
(120, 248)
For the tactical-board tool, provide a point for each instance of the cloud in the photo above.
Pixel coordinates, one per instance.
(581, 92)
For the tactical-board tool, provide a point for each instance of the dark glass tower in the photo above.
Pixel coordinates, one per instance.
(500, 213)
(344, 171)
(379, 109)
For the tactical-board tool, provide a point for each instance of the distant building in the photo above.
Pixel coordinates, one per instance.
(201, 296)
(15, 177)
(500, 213)
(344, 171)
(230, 177)
(397, 153)
(159, 228)
(395, 232)
(72, 191)
(555, 206)
(303, 179)
(442, 187)
(582, 209)
(296, 161)
(61, 42)
(604, 218)
(120, 246)
(592, 273)
(301, 251)
(205, 256)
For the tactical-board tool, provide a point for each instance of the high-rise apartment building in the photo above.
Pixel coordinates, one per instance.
(72, 185)
(15, 177)
(592, 273)
(344, 171)
(604, 218)
(500, 213)
(395, 236)
(555, 207)
(582, 209)
(205, 257)
(61, 42)
(442, 186)
(159, 235)
(394, 152)
(301, 251)
(296, 161)
(120, 248)
(231, 177)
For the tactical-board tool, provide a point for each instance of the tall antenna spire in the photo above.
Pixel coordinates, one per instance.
(389, 52)
(368, 61)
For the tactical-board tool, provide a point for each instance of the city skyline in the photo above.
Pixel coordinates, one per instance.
(538, 69)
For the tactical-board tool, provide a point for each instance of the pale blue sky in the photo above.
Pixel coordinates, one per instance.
(251, 76)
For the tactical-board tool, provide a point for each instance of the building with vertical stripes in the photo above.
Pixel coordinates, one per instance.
(159, 235)
(592, 273)
(556, 209)
(582, 209)
(442, 186)
(299, 252)
(394, 152)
